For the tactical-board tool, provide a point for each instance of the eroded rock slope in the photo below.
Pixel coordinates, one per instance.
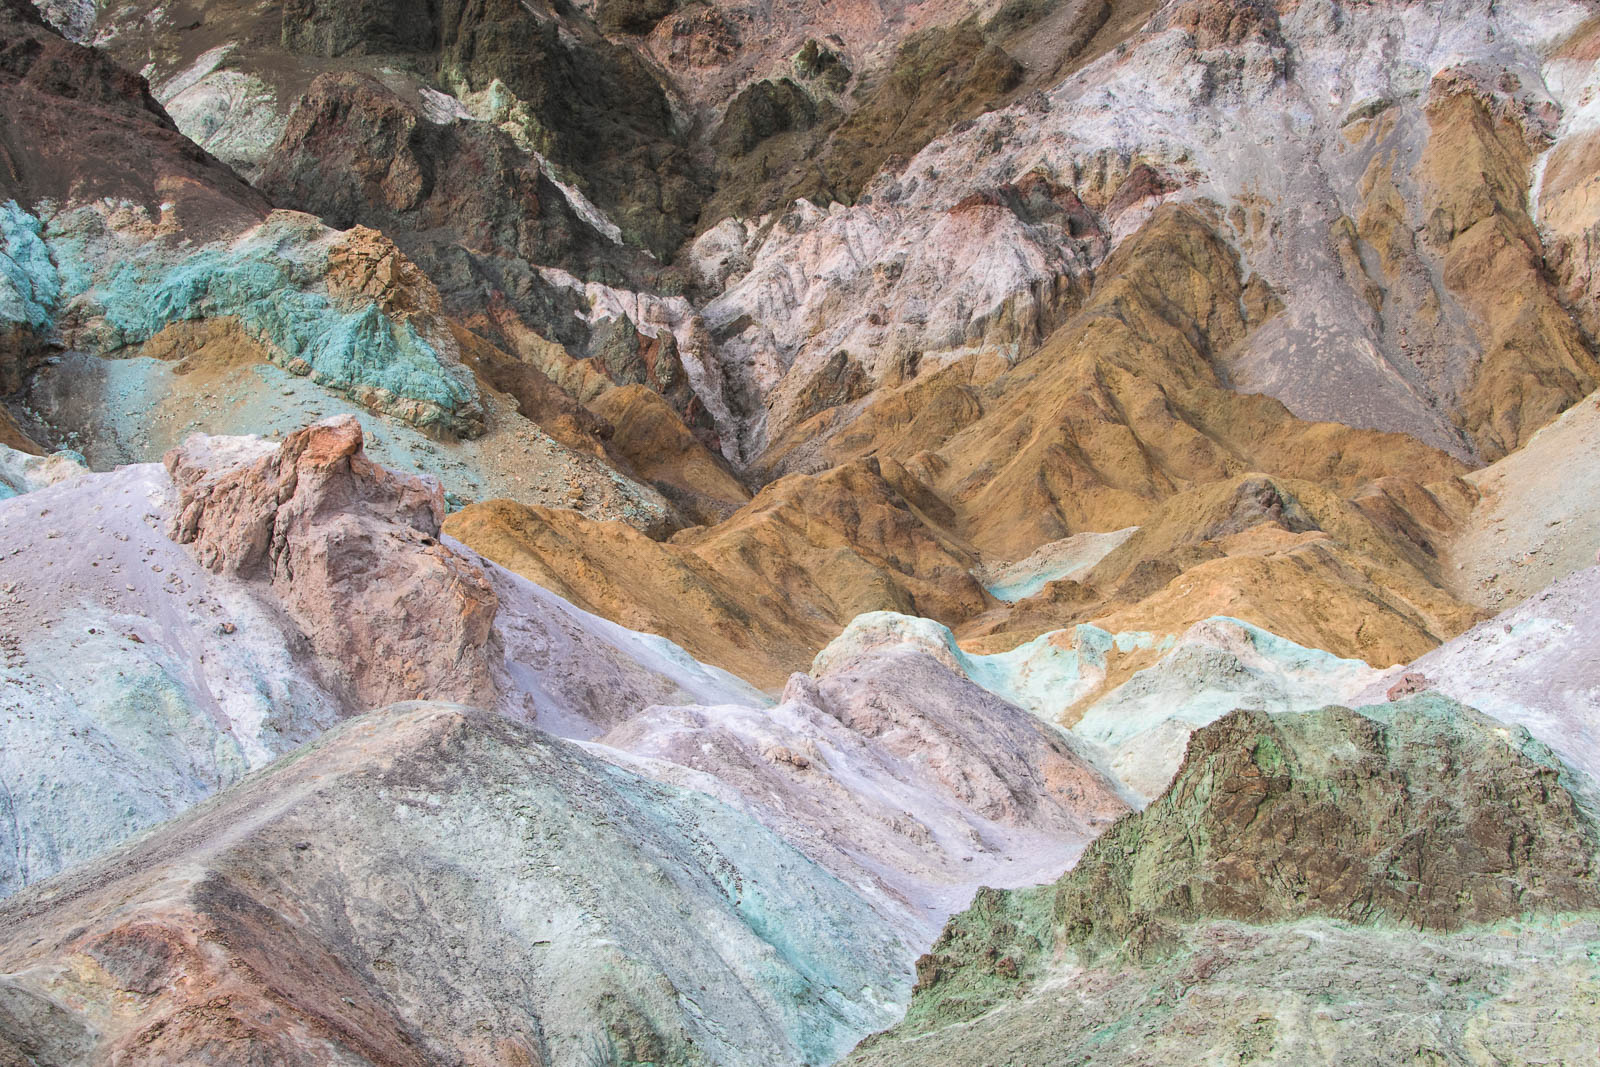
(1295, 856)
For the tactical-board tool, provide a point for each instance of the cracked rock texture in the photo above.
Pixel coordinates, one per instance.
(603, 914)
(998, 444)
(1372, 818)
(139, 675)
(352, 551)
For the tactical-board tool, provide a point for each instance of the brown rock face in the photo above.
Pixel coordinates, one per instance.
(1292, 557)
(1422, 815)
(1120, 408)
(353, 553)
(366, 266)
(1322, 533)
(651, 439)
(371, 26)
(74, 124)
(1409, 684)
(355, 151)
(757, 594)
(1389, 819)
(1536, 361)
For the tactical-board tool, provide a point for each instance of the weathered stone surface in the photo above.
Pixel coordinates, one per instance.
(584, 102)
(898, 774)
(433, 883)
(375, 26)
(1410, 683)
(462, 197)
(1379, 818)
(759, 592)
(1536, 361)
(345, 309)
(1311, 992)
(135, 682)
(353, 552)
(1532, 665)
(74, 124)
(24, 472)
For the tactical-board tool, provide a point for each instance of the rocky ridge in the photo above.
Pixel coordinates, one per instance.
(312, 592)
(299, 584)
(1072, 375)
(200, 941)
(1188, 892)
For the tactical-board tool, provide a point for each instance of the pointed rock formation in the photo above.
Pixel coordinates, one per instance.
(353, 553)
(135, 681)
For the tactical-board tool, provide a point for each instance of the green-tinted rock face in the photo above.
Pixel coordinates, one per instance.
(29, 285)
(1313, 993)
(763, 109)
(817, 62)
(275, 280)
(29, 289)
(1417, 815)
(1423, 814)
(602, 917)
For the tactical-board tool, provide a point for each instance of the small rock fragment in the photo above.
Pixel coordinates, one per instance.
(1410, 683)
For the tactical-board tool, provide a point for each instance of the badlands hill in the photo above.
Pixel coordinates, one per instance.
(647, 532)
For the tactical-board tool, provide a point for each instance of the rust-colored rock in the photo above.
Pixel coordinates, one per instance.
(1410, 684)
(759, 593)
(352, 551)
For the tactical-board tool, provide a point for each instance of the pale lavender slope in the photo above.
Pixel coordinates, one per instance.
(1537, 665)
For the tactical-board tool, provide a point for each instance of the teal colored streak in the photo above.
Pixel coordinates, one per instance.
(272, 282)
(30, 286)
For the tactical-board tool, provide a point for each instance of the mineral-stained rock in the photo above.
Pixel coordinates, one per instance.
(583, 102)
(1241, 545)
(462, 198)
(894, 771)
(1410, 683)
(1536, 360)
(1532, 519)
(433, 884)
(1383, 819)
(75, 124)
(656, 445)
(1350, 814)
(1312, 992)
(818, 62)
(1057, 444)
(758, 593)
(30, 287)
(345, 309)
(375, 26)
(135, 682)
(1533, 665)
(23, 472)
(762, 110)
(631, 16)
(353, 552)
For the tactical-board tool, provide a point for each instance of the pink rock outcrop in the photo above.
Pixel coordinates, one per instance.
(1410, 683)
(352, 552)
